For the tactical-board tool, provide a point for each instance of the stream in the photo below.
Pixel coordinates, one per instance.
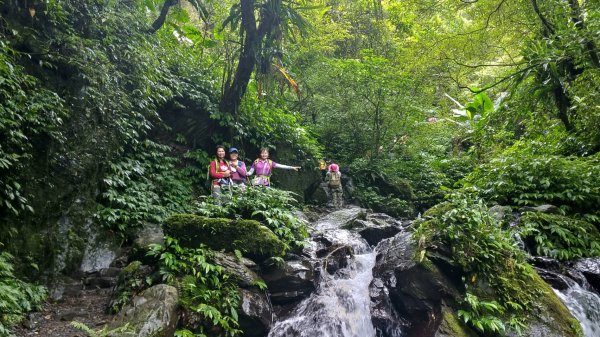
(584, 305)
(340, 306)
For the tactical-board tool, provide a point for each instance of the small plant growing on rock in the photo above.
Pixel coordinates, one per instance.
(208, 294)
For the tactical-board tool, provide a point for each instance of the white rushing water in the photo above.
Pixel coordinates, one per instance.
(584, 305)
(340, 307)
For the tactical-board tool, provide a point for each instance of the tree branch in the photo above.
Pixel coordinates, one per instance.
(163, 15)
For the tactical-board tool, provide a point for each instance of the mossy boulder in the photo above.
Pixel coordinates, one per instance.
(451, 325)
(248, 236)
(152, 313)
(551, 318)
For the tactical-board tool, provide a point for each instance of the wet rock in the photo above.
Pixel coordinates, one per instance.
(291, 282)
(424, 293)
(556, 280)
(545, 262)
(375, 227)
(244, 269)
(590, 268)
(386, 320)
(500, 212)
(151, 313)
(340, 218)
(335, 257)
(255, 314)
(549, 209)
(416, 290)
(143, 238)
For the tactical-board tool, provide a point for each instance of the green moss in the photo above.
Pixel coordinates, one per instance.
(248, 236)
(452, 326)
(551, 306)
(438, 210)
(131, 269)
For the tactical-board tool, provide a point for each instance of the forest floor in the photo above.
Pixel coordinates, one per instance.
(87, 306)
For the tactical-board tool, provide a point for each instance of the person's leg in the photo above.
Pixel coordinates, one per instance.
(216, 191)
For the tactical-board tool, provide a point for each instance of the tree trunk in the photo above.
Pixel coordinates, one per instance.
(577, 20)
(232, 96)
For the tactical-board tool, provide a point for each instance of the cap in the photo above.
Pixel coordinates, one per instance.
(233, 149)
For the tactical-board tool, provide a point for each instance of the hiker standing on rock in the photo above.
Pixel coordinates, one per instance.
(334, 182)
(263, 167)
(238, 169)
(220, 173)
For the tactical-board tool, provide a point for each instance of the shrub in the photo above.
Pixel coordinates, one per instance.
(144, 186)
(16, 296)
(272, 207)
(390, 205)
(495, 273)
(559, 236)
(573, 183)
(204, 287)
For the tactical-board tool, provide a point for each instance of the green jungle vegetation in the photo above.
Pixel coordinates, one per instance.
(116, 107)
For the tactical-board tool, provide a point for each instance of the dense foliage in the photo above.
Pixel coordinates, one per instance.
(274, 208)
(496, 277)
(205, 288)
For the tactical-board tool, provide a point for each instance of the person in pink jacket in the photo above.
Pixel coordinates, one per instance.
(263, 166)
(219, 171)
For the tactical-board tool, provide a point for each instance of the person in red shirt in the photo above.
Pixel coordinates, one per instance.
(220, 172)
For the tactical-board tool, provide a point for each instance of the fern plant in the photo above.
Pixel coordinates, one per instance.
(16, 296)
(205, 288)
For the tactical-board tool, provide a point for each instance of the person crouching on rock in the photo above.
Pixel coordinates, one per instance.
(263, 166)
(334, 182)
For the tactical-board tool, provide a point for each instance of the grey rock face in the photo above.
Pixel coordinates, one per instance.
(153, 313)
(255, 314)
(290, 283)
(590, 268)
(244, 270)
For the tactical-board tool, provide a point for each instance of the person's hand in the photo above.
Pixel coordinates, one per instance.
(296, 168)
(226, 174)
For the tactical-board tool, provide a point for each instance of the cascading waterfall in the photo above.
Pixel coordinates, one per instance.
(583, 304)
(340, 307)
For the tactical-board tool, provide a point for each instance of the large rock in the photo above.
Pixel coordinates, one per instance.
(244, 270)
(255, 314)
(376, 227)
(250, 237)
(100, 250)
(590, 268)
(551, 318)
(548, 209)
(426, 294)
(386, 320)
(291, 282)
(147, 235)
(153, 313)
(417, 290)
